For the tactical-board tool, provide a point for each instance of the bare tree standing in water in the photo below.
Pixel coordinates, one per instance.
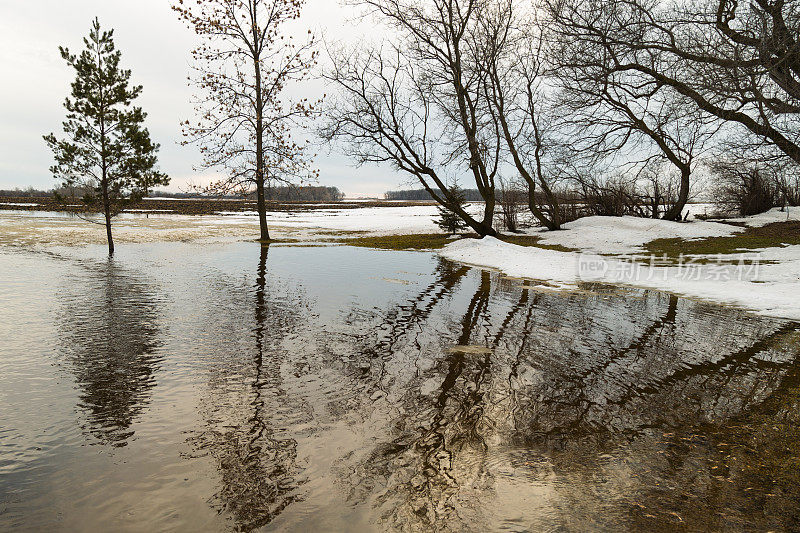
(242, 69)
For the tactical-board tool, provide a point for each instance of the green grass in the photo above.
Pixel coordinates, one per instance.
(771, 235)
(422, 241)
(437, 241)
(534, 241)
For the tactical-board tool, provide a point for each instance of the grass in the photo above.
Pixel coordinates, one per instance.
(771, 235)
(340, 233)
(421, 241)
(534, 241)
(437, 241)
(267, 242)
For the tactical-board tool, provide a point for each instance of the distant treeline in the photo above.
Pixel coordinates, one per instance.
(290, 193)
(293, 193)
(276, 194)
(421, 195)
(29, 192)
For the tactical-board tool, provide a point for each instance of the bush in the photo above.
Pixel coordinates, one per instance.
(789, 188)
(744, 188)
(512, 201)
(449, 220)
(615, 197)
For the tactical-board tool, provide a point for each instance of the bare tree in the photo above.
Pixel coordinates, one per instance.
(516, 86)
(242, 70)
(738, 63)
(419, 103)
(621, 113)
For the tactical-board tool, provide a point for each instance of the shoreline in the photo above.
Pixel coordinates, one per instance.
(751, 263)
(761, 276)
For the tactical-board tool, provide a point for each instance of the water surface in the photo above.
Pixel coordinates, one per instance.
(233, 387)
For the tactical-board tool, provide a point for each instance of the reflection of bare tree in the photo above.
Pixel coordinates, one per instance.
(109, 335)
(671, 360)
(256, 460)
(419, 462)
(406, 319)
(677, 379)
(741, 475)
(566, 377)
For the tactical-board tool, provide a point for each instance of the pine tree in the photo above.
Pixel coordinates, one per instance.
(449, 220)
(106, 149)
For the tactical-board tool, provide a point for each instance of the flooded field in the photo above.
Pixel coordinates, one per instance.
(226, 386)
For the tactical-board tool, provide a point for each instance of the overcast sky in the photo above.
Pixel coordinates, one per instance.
(155, 46)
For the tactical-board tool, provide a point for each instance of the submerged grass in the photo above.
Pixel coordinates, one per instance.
(267, 242)
(771, 235)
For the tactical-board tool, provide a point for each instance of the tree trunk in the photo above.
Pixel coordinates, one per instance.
(104, 180)
(262, 212)
(107, 213)
(674, 212)
(551, 224)
(488, 217)
(260, 170)
(108, 233)
(483, 228)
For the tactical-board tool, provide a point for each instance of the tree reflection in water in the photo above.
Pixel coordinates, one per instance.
(469, 402)
(246, 402)
(585, 398)
(109, 324)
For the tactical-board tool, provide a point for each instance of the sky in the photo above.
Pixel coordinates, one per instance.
(156, 46)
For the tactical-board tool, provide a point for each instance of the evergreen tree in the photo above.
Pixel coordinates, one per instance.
(106, 149)
(449, 220)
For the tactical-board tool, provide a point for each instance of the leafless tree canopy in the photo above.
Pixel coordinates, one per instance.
(550, 92)
(736, 63)
(242, 71)
(419, 102)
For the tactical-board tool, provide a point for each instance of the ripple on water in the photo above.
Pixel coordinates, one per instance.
(214, 387)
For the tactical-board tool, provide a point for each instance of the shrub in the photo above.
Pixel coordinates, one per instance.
(744, 188)
(512, 201)
(449, 220)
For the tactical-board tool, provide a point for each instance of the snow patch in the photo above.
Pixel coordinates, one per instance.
(626, 235)
(770, 217)
(770, 289)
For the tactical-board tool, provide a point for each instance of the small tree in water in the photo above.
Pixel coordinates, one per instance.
(106, 150)
(243, 67)
(449, 219)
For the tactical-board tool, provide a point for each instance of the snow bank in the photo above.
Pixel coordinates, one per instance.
(516, 261)
(750, 281)
(771, 216)
(625, 235)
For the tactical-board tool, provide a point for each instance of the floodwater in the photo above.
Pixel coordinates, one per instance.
(207, 387)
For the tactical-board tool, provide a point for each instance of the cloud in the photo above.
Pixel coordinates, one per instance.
(155, 46)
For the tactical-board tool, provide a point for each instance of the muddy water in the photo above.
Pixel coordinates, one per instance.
(228, 387)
